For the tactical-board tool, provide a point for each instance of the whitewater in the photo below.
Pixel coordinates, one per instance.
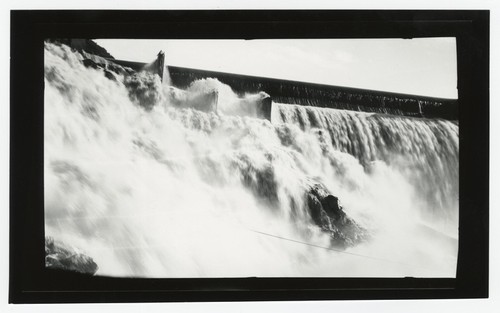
(149, 187)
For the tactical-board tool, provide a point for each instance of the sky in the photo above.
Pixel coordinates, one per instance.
(425, 66)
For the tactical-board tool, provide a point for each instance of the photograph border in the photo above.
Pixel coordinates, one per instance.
(31, 282)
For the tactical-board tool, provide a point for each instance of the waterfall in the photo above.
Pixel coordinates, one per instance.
(150, 188)
(425, 151)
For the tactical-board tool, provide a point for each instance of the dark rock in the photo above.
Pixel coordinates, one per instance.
(87, 45)
(59, 256)
(109, 75)
(90, 63)
(332, 208)
(316, 210)
(328, 214)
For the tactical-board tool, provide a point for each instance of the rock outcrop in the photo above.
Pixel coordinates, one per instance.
(323, 207)
(326, 212)
(87, 45)
(62, 257)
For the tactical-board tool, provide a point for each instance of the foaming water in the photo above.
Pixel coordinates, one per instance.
(149, 188)
(424, 151)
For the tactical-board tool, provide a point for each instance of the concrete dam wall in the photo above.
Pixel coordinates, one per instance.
(327, 96)
(282, 91)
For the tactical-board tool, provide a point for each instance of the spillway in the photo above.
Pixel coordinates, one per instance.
(154, 178)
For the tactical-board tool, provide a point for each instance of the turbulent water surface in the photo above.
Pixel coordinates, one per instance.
(147, 187)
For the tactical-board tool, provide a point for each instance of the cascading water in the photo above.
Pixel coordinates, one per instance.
(424, 151)
(148, 188)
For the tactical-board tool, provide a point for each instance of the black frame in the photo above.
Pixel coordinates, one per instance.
(31, 282)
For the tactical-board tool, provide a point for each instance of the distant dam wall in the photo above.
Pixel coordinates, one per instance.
(327, 96)
(279, 90)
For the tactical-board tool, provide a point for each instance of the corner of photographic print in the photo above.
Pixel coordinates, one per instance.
(251, 158)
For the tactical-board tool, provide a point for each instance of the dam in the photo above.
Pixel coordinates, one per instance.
(159, 171)
(295, 92)
(325, 96)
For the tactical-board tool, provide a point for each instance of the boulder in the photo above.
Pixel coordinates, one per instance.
(327, 213)
(109, 75)
(90, 63)
(60, 256)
